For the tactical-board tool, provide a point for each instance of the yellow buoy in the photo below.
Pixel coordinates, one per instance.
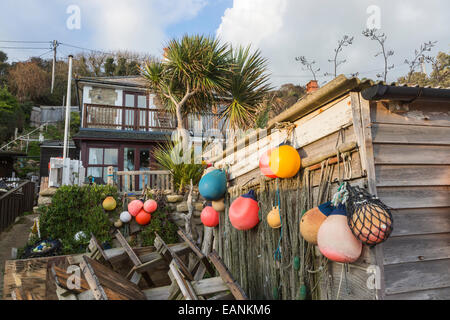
(285, 161)
(273, 218)
(219, 205)
(109, 204)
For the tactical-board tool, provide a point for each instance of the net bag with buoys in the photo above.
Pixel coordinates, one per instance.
(244, 211)
(335, 239)
(264, 164)
(213, 185)
(312, 220)
(210, 217)
(284, 161)
(369, 219)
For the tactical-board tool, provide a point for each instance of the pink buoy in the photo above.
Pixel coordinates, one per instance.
(244, 211)
(150, 206)
(264, 164)
(335, 239)
(210, 217)
(134, 207)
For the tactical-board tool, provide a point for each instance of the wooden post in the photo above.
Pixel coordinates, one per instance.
(110, 180)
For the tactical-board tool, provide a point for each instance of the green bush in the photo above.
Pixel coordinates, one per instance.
(165, 228)
(76, 209)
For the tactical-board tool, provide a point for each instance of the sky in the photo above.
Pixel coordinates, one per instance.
(281, 29)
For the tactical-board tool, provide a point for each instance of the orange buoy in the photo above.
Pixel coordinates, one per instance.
(284, 161)
(150, 206)
(143, 218)
(273, 218)
(371, 224)
(244, 211)
(264, 165)
(210, 217)
(312, 220)
(335, 239)
(134, 207)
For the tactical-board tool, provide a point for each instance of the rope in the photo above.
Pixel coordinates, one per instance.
(277, 253)
(289, 127)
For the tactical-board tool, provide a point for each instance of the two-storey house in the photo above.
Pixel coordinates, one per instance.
(121, 123)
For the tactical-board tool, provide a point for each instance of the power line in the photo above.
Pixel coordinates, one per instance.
(24, 48)
(19, 41)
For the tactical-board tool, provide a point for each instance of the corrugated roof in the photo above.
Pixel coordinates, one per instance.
(128, 81)
(105, 134)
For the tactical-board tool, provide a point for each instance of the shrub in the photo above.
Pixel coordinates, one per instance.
(76, 209)
(165, 228)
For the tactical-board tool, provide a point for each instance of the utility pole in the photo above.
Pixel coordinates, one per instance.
(55, 45)
(69, 97)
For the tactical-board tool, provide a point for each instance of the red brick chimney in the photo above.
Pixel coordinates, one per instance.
(312, 86)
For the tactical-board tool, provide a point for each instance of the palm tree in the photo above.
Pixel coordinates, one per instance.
(248, 86)
(198, 72)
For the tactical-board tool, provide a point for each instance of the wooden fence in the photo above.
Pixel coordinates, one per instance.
(136, 181)
(15, 202)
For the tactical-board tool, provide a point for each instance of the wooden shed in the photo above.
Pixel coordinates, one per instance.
(392, 140)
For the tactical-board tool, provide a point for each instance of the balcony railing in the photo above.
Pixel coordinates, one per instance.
(141, 119)
(127, 118)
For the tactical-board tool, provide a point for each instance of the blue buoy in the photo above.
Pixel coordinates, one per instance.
(213, 185)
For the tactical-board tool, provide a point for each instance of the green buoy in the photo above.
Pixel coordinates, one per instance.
(296, 263)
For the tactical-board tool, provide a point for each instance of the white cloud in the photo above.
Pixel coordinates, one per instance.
(136, 24)
(284, 29)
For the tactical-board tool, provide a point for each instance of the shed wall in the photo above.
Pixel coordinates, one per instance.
(411, 154)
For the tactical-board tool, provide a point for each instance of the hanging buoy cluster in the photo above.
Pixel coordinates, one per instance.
(213, 185)
(141, 210)
(281, 162)
(244, 211)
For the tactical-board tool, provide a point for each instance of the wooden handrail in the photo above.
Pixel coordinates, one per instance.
(14, 190)
(138, 173)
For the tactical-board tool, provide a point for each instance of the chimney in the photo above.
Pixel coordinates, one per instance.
(312, 86)
(165, 53)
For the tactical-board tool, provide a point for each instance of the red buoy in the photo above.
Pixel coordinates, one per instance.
(265, 166)
(150, 206)
(134, 207)
(143, 218)
(210, 217)
(243, 212)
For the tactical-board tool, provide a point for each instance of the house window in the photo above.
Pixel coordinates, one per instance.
(99, 161)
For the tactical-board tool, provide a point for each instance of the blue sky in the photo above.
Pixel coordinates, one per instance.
(281, 29)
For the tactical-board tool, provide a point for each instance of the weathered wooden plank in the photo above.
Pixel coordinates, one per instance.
(412, 175)
(417, 248)
(432, 294)
(415, 197)
(410, 134)
(170, 256)
(134, 259)
(353, 283)
(421, 221)
(420, 113)
(411, 154)
(185, 286)
(109, 284)
(424, 275)
(226, 276)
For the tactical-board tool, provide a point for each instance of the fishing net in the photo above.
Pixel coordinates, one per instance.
(369, 219)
